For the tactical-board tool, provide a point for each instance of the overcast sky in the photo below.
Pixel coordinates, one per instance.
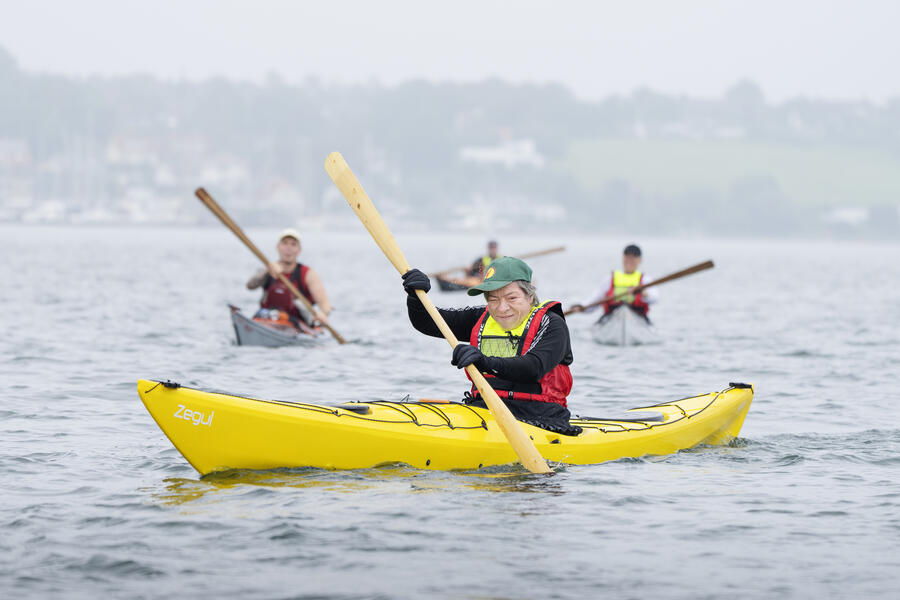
(815, 48)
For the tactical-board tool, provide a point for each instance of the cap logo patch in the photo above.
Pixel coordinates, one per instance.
(489, 273)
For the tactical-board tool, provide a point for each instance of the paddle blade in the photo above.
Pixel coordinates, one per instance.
(359, 201)
(683, 273)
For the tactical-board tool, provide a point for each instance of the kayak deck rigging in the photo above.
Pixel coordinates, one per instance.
(363, 410)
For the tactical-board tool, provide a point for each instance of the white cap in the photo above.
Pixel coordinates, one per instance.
(289, 232)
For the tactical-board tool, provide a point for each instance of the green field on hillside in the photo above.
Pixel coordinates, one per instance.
(811, 175)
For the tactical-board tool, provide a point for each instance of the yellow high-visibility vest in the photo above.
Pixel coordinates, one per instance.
(622, 281)
(496, 341)
(486, 260)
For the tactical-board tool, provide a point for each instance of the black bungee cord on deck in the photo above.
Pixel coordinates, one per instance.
(400, 407)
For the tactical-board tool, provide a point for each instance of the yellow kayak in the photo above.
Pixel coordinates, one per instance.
(216, 431)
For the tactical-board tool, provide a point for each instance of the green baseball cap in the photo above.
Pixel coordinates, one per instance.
(501, 272)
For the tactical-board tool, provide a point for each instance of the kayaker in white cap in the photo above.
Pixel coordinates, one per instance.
(520, 344)
(277, 296)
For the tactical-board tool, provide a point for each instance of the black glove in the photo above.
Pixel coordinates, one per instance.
(415, 279)
(465, 355)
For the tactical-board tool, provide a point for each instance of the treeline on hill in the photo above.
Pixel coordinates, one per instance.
(409, 138)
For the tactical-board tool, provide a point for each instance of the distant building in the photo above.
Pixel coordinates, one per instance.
(14, 153)
(510, 154)
(848, 215)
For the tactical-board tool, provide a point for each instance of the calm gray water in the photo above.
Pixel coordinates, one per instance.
(96, 501)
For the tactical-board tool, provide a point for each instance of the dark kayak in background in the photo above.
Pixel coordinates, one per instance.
(464, 282)
(457, 284)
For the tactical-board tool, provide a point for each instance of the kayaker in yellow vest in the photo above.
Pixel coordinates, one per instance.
(622, 281)
(277, 296)
(480, 265)
(520, 344)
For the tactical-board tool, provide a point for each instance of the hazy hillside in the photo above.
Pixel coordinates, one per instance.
(483, 156)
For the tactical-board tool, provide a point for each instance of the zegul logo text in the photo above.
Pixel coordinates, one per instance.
(194, 416)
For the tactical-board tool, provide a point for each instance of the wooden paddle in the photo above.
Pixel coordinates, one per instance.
(361, 204)
(677, 275)
(522, 256)
(217, 210)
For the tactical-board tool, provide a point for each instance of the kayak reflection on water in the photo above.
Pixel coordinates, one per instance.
(221, 485)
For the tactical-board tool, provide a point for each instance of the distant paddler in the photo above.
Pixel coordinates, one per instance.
(480, 264)
(474, 272)
(624, 287)
(277, 296)
(520, 343)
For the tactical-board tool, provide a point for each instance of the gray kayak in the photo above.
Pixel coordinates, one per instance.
(624, 327)
(273, 334)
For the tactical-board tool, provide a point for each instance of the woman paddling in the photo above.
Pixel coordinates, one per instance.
(520, 344)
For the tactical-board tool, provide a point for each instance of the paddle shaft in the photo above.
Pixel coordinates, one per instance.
(359, 201)
(638, 289)
(217, 210)
(522, 256)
